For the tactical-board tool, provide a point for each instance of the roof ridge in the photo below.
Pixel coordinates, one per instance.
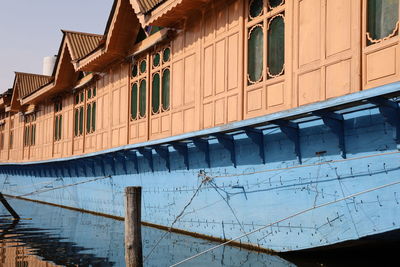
(82, 33)
(32, 74)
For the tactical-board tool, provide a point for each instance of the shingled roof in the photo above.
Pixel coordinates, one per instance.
(80, 44)
(27, 83)
(147, 5)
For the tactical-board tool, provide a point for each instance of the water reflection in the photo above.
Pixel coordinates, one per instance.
(59, 237)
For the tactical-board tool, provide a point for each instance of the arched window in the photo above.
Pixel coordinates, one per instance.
(139, 85)
(266, 34)
(382, 20)
(58, 120)
(160, 86)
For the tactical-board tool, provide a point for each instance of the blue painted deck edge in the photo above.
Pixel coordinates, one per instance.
(326, 104)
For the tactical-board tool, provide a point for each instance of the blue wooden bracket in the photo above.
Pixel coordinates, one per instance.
(37, 172)
(62, 169)
(100, 162)
(257, 137)
(163, 152)
(291, 130)
(203, 146)
(391, 111)
(335, 122)
(92, 164)
(182, 149)
(228, 142)
(51, 171)
(111, 160)
(132, 156)
(121, 157)
(147, 154)
(76, 170)
(67, 166)
(83, 166)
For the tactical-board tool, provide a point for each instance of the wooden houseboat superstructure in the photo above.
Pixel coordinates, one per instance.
(207, 70)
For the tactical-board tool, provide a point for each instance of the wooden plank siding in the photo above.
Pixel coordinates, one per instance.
(326, 55)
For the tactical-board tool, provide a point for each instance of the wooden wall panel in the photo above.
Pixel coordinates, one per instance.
(119, 91)
(380, 61)
(273, 94)
(16, 152)
(327, 46)
(222, 64)
(309, 31)
(184, 87)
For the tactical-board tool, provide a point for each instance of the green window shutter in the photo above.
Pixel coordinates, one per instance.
(88, 118)
(155, 93)
(56, 129)
(80, 120)
(76, 122)
(93, 116)
(143, 66)
(142, 98)
(60, 128)
(33, 135)
(134, 99)
(275, 3)
(255, 54)
(383, 16)
(24, 139)
(166, 54)
(255, 8)
(156, 60)
(27, 135)
(276, 46)
(11, 139)
(166, 89)
(134, 70)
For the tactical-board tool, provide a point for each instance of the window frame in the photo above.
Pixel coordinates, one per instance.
(369, 39)
(85, 99)
(29, 133)
(58, 106)
(137, 79)
(160, 69)
(263, 20)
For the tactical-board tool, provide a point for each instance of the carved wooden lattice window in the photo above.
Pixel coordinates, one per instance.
(139, 89)
(2, 130)
(266, 42)
(91, 94)
(11, 137)
(30, 130)
(57, 120)
(79, 113)
(160, 84)
(382, 20)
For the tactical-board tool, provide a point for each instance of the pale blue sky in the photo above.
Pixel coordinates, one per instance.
(30, 30)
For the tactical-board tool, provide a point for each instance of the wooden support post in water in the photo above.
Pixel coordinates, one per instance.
(8, 207)
(133, 230)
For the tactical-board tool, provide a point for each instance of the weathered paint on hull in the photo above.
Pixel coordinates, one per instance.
(313, 204)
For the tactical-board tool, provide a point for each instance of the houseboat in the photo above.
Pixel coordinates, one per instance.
(274, 124)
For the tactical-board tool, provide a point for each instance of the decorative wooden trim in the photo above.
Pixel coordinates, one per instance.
(377, 41)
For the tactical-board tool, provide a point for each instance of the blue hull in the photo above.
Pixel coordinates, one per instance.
(313, 181)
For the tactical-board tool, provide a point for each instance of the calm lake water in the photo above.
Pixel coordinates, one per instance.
(52, 236)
